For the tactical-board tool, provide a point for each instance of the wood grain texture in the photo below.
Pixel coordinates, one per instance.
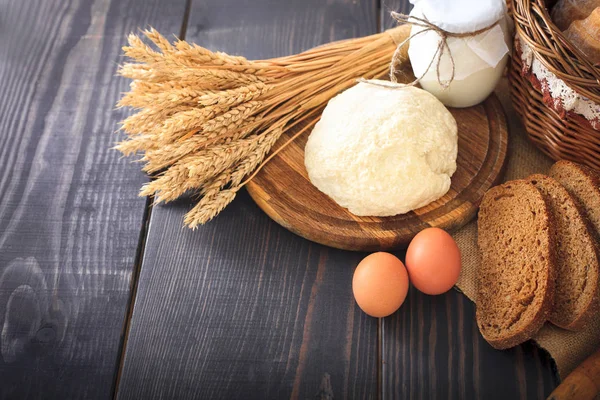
(387, 6)
(242, 308)
(432, 347)
(282, 189)
(69, 213)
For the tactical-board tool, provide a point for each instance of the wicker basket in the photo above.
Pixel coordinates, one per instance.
(559, 135)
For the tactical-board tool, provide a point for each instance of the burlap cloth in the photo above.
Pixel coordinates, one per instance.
(568, 349)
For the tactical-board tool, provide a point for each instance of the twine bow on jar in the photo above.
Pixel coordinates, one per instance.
(442, 46)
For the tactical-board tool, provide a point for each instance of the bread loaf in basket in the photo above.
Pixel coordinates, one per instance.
(555, 87)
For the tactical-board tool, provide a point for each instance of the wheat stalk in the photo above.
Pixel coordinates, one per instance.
(215, 199)
(207, 120)
(196, 169)
(162, 157)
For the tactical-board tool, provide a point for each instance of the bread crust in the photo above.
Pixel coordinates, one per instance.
(592, 174)
(594, 178)
(593, 306)
(590, 308)
(545, 307)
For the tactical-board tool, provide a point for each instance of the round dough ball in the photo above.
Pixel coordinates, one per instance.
(381, 151)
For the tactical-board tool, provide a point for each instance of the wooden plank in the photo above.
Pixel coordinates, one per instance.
(70, 217)
(242, 308)
(387, 6)
(432, 347)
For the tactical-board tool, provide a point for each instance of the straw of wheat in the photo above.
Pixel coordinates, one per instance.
(235, 96)
(215, 200)
(185, 121)
(164, 156)
(143, 142)
(194, 170)
(234, 117)
(207, 120)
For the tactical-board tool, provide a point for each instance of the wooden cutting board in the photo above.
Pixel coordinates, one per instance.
(283, 191)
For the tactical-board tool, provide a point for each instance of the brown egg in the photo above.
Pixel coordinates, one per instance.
(433, 261)
(380, 284)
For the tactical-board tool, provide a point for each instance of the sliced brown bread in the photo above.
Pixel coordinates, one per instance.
(577, 258)
(515, 285)
(583, 184)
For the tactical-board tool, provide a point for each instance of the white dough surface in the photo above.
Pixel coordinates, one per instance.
(382, 151)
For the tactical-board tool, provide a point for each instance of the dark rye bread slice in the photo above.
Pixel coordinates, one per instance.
(515, 285)
(583, 184)
(577, 265)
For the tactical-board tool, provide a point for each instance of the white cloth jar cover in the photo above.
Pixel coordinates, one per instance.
(470, 54)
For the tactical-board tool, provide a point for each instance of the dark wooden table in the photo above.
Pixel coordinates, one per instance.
(102, 295)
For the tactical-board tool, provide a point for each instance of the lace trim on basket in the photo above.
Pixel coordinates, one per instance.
(563, 97)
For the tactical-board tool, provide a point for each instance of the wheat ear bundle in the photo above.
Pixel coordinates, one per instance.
(206, 120)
